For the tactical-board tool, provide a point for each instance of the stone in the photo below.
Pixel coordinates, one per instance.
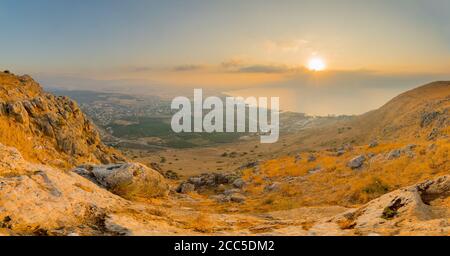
(396, 153)
(340, 152)
(373, 144)
(356, 162)
(428, 118)
(35, 197)
(186, 188)
(315, 170)
(17, 110)
(239, 183)
(131, 180)
(237, 198)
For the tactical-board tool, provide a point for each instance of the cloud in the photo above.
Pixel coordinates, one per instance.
(263, 69)
(232, 63)
(191, 67)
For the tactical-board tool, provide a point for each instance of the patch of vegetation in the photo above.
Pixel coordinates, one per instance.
(160, 127)
(389, 213)
(377, 187)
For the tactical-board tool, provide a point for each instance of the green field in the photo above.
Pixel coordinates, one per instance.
(160, 128)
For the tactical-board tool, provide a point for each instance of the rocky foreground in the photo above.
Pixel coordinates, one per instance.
(41, 200)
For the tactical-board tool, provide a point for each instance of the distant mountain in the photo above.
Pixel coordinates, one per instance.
(421, 113)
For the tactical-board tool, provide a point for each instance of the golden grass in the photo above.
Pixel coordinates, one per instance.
(339, 185)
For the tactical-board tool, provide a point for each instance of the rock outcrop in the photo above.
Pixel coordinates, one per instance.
(416, 210)
(35, 199)
(129, 180)
(46, 128)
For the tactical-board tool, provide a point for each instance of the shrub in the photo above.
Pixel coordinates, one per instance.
(377, 187)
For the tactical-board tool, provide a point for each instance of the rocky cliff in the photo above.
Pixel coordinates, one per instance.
(48, 129)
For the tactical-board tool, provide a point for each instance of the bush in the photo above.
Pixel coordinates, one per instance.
(377, 187)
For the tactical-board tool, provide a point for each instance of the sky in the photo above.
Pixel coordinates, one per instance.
(384, 46)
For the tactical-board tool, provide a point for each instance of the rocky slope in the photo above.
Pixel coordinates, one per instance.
(48, 129)
(42, 139)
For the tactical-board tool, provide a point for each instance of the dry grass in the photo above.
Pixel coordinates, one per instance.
(337, 184)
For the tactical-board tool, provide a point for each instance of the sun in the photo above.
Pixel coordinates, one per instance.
(316, 64)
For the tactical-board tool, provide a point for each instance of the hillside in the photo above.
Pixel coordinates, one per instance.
(420, 113)
(413, 114)
(48, 129)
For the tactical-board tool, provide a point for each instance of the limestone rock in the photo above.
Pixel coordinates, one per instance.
(35, 199)
(409, 211)
(131, 180)
(55, 123)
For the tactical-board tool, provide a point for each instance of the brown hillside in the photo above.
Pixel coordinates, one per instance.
(421, 113)
(413, 114)
(46, 128)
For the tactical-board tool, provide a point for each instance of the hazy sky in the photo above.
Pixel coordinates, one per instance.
(227, 44)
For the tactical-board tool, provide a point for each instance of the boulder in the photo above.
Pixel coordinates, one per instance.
(373, 144)
(131, 180)
(186, 188)
(396, 153)
(340, 152)
(239, 183)
(40, 200)
(17, 110)
(356, 162)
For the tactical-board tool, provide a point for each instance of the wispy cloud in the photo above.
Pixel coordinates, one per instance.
(263, 69)
(232, 63)
(190, 67)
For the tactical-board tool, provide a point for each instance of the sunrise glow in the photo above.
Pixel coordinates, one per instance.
(316, 64)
